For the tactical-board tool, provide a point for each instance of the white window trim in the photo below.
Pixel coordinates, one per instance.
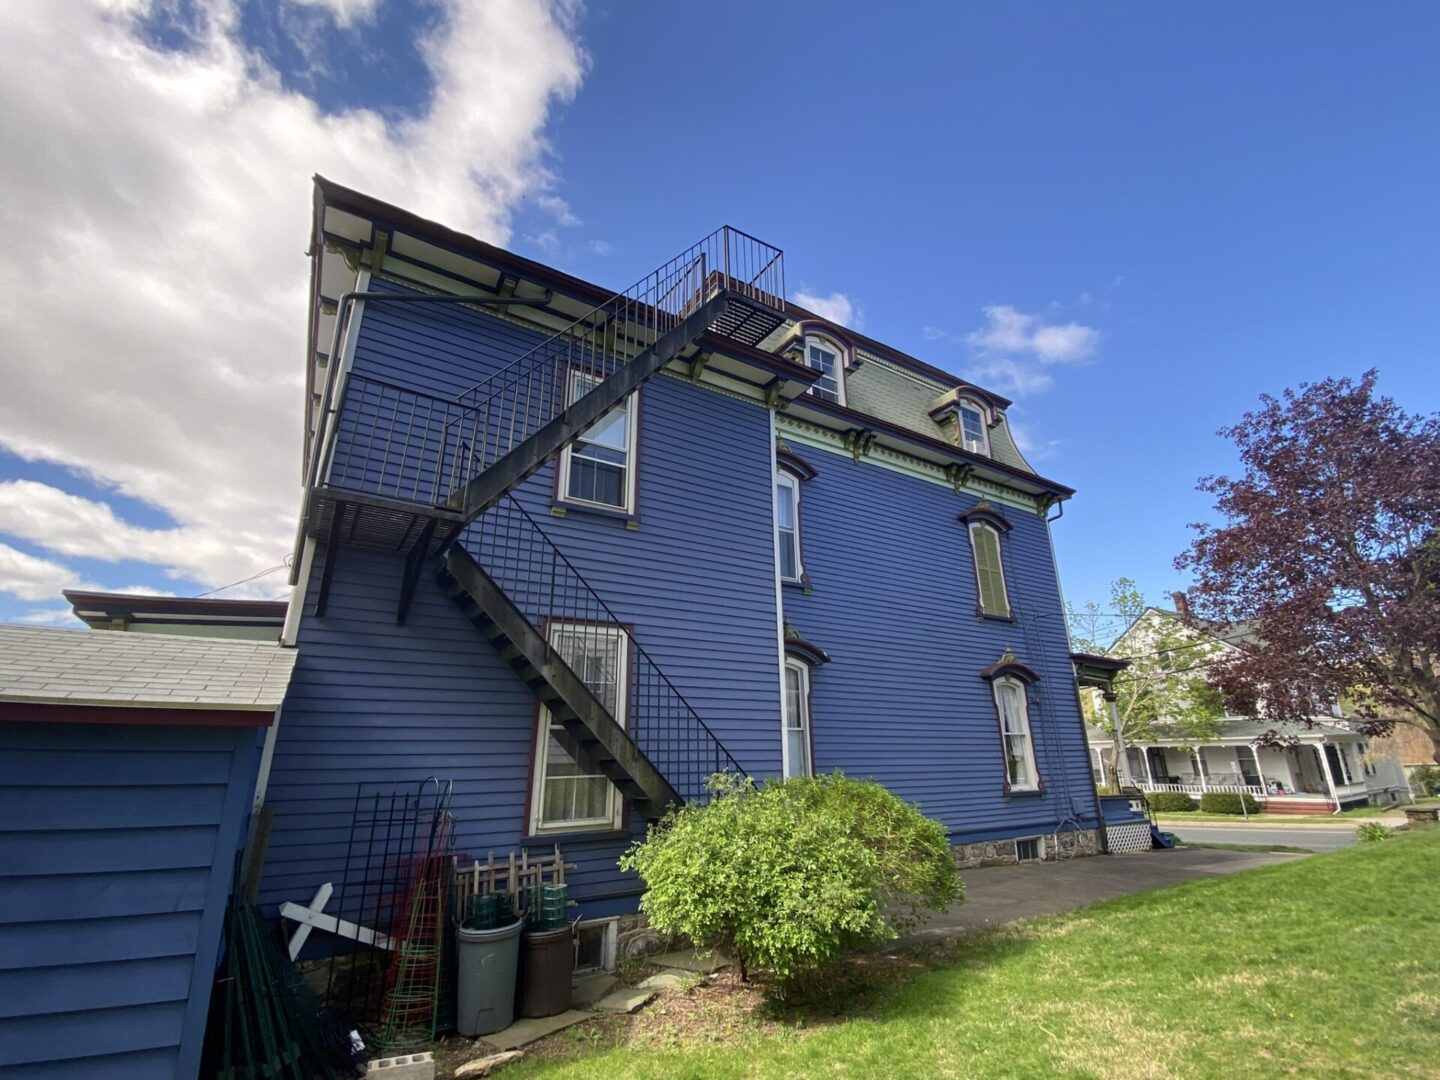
(1034, 770)
(1000, 559)
(610, 929)
(785, 764)
(789, 480)
(984, 447)
(1041, 848)
(830, 346)
(631, 404)
(542, 745)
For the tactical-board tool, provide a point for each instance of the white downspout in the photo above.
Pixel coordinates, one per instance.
(779, 599)
(1329, 780)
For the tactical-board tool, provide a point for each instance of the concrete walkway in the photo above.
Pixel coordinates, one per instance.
(1001, 894)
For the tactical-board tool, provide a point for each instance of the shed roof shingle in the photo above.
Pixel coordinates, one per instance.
(87, 667)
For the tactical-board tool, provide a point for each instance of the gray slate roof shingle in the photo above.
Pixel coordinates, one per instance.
(886, 392)
(102, 667)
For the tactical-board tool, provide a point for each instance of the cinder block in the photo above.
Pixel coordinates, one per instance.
(402, 1067)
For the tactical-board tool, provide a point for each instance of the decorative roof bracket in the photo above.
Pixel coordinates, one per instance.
(859, 442)
(959, 476)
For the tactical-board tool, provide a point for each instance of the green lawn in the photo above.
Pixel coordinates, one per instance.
(1326, 967)
(1355, 816)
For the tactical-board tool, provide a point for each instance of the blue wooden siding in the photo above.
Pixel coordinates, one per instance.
(893, 601)
(115, 865)
(372, 702)
(1117, 811)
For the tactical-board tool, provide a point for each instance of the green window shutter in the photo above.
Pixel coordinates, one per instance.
(991, 578)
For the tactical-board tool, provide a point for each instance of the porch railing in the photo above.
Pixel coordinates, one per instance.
(1196, 789)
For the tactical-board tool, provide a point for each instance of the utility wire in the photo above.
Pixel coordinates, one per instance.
(282, 566)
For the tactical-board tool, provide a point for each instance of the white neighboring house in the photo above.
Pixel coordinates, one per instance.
(1320, 769)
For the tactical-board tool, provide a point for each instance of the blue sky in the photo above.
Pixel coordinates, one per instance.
(1202, 203)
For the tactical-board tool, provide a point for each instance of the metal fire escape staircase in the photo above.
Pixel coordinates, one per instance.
(407, 471)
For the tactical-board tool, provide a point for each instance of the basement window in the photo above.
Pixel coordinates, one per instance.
(1030, 849)
(595, 945)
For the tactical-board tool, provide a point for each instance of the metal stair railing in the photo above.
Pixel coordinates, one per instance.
(552, 594)
(398, 443)
(515, 402)
(391, 441)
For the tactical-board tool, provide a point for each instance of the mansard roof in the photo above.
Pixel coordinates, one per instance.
(899, 397)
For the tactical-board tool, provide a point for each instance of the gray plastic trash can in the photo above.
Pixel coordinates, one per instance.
(485, 978)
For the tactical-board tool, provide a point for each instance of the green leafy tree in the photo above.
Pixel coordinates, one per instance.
(1165, 692)
(788, 875)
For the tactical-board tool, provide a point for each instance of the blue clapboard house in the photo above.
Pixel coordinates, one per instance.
(576, 551)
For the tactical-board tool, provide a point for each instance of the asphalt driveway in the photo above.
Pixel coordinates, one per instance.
(1001, 894)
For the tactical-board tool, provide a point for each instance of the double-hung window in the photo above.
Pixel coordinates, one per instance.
(568, 795)
(825, 358)
(973, 436)
(797, 719)
(787, 525)
(989, 570)
(598, 469)
(1010, 702)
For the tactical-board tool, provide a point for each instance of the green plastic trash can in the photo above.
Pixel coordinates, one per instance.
(485, 978)
(547, 964)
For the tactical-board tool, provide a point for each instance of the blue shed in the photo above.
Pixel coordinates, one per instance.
(127, 765)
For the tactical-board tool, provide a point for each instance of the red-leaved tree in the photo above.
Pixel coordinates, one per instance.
(1328, 558)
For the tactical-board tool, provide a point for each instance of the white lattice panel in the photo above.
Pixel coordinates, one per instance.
(1124, 839)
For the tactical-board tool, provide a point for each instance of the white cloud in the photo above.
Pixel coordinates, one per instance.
(1008, 376)
(1034, 449)
(344, 12)
(31, 578)
(156, 212)
(1066, 344)
(50, 617)
(837, 307)
(1013, 348)
(84, 528)
(548, 242)
(1009, 330)
(598, 247)
(559, 209)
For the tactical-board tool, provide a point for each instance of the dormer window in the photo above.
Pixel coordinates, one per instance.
(973, 435)
(824, 356)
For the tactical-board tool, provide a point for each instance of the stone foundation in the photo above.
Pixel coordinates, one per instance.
(634, 937)
(1066, 845)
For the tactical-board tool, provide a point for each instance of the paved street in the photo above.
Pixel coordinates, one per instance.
(1314, 837)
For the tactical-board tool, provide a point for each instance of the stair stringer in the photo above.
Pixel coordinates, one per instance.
(592, 735)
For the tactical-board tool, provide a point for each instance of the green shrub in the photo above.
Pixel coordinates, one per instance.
(788, 875)
(1372, 831)
(1427, 778)
(1228, 802)
(1171, 802)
